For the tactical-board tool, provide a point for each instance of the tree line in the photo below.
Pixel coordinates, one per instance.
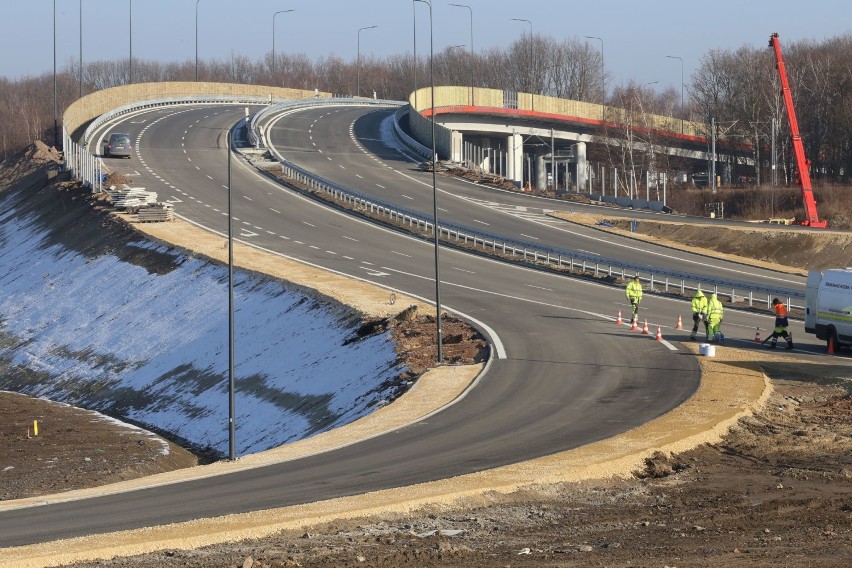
(739, 89)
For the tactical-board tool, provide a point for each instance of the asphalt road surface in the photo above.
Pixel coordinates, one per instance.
(564, 375)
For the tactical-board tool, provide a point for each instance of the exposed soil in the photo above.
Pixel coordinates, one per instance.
(776, 491)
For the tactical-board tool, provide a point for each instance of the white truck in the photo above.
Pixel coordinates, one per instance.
(828, 306)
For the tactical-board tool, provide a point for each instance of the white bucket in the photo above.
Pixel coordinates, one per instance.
(707, 350)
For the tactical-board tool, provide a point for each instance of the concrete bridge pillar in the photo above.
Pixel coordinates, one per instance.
(515, 159)
(582, 166)
(456, 146)
(540, 170)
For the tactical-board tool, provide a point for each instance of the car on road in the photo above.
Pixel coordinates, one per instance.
(117, 145)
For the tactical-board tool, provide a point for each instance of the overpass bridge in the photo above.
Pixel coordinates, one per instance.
(562, 144)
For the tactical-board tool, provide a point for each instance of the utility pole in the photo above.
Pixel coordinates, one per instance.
(713, 154)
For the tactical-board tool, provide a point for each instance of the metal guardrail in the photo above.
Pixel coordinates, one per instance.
(535, 253)
(88, 168)
(172, 101)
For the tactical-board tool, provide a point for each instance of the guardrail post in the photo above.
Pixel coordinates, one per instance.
(652, 282)
(596, 270)
(750, 298)
(682, 286)
(667, 284)
(733, 296)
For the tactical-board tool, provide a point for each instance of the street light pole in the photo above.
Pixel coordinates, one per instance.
(196, 40)
(471, 46)
(651, 161)
(440, 342)
(81, 49)
(414, 25)
(232, 442)
(603, 72)
(273, 40)
(130, 42)
(55, 120)
(358, 84)
(682, 129)
(532, 53)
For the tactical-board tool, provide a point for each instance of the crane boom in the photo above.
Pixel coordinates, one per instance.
(811, 215)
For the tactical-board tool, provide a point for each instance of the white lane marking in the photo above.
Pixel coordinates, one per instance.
(381, 186)
(209, 177)
(245, 233)
(197, 168)
(374, 272)
(247, 197)
(331, 252)
(401, 253)
(299, 242)
(480, 222)
(313, 247)
(462, 270)
(275, 211)
(308, 224)
(405, 196)
(348, 257)
(285, 238)
(540, 288)
(359, 176)
(518, 298)
(225, 186)
(350, 239)
(341, 166)
(365, 262)
(529, 237)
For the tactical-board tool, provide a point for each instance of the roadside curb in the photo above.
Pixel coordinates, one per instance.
(732, 387)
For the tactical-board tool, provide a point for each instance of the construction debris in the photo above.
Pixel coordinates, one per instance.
(156, 212)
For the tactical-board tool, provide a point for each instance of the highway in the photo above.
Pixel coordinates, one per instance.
(352, 152)
(564, 374)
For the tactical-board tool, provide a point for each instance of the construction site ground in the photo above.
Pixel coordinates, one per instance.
(755, 470)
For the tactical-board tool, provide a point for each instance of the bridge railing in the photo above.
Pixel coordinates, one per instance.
(535, 254)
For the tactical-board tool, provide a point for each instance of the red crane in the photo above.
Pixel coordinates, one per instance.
(802, 163)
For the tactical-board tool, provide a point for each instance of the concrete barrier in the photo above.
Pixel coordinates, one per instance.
(83, 110)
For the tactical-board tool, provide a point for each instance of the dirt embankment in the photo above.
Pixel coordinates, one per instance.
(782, 249)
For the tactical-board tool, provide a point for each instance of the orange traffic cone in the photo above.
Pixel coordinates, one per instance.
(757, 335)
(618, 320)
(831, 346)
(634, 324)
(679, 323)
(645, 330)
(659, 334)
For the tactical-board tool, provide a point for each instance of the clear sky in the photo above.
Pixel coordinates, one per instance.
(637, 36)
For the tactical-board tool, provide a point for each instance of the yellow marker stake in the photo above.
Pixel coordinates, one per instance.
(35, 427)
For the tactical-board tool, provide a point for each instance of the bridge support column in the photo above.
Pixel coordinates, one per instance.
(540, 171)
(456, 146)
(515, 159)
(582, 166)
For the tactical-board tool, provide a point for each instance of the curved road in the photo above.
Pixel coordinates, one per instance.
(347, 145)
(565, 376)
